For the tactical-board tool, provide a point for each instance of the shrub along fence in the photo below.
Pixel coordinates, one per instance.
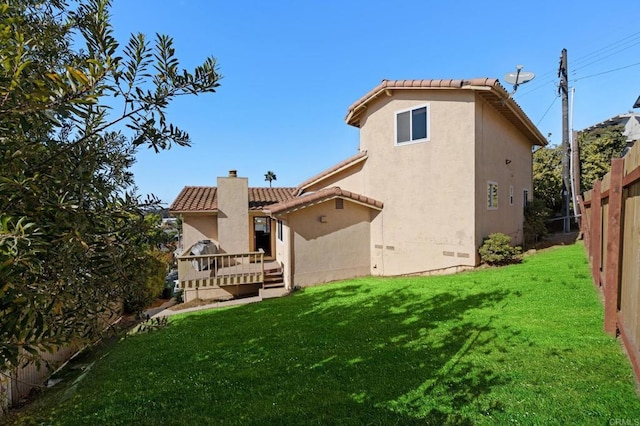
(611, 228)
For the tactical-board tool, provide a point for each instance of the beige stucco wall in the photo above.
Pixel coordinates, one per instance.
(199, 226)
(351, 179)
(335, 249)
(233, 211)
(283, 253)
(427, 188)
(503, 155)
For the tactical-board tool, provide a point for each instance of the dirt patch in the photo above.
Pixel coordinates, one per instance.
(194, 303)
(558, 239)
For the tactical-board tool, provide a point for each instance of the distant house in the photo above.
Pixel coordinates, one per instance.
(440, 165)
(630, 122)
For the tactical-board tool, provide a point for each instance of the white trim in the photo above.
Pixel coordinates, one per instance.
(395, 125)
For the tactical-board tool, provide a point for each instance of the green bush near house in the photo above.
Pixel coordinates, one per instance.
(496, 249)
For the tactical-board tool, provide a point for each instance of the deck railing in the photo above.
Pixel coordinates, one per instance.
(220, 270)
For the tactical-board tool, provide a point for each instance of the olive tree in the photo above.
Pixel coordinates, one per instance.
(73, 238)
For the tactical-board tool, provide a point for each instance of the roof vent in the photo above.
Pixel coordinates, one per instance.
(233, 173)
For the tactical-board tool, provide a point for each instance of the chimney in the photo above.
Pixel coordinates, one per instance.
(233, 213)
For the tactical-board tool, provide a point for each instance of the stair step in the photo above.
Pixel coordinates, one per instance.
(273, 285)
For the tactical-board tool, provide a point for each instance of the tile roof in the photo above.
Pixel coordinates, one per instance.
(204, 198)
(195, 198)
(355, 159)
(321, 196)
(489, 89)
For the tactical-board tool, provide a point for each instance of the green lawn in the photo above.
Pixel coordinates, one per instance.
(521, 344)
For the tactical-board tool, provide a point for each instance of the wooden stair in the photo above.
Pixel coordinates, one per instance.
(273, 277)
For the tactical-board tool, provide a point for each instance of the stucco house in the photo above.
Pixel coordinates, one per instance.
(440, 165)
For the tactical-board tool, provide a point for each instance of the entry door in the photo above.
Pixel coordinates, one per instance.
(262, 234)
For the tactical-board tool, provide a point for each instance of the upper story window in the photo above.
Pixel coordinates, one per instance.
(412, 125)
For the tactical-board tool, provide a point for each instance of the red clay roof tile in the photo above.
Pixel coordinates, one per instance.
(340, 166)
(204, 198)
(489, 89)
(321, 196)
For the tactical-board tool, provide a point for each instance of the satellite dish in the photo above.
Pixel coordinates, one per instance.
(517, 78)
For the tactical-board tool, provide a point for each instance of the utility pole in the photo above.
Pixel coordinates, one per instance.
(563, 89)
(575, 161)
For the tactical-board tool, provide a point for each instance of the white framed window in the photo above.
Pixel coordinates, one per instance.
(492, 195)
(412, 125)
(279, 230)
(510, 195)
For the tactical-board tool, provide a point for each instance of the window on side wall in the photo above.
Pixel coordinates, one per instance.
(412, 125)
(279, 230)
(525, 197)
(492, 195)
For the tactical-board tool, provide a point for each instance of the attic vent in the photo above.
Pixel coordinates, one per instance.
(339, 204)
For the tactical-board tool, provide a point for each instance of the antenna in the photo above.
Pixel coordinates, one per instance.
(517, 78)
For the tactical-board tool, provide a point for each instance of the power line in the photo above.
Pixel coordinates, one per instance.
(607, 56)
(606, 72)
(597, 51)
(555, 98)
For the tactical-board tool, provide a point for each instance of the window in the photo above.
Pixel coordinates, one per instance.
(339, 204)
(525, 197)
(412, 125)
(511, 195)
(492, 195)
(279, 230)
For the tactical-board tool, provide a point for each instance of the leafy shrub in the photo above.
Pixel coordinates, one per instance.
(152, 268)
(496, 249)
(179, 295)
(536, 214)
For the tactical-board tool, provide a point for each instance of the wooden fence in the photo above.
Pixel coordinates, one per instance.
(611, 228)
(16, 383)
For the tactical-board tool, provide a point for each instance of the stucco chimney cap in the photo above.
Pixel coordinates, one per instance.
(233, 173)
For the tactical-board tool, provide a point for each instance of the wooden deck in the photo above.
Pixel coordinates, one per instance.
(223, 270)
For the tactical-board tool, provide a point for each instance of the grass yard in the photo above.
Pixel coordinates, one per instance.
(521, 344)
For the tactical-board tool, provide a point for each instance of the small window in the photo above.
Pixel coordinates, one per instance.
(339, 204)
(511, 195)
(492, 195)
(525, 197)
(412, 125)
(279, 230)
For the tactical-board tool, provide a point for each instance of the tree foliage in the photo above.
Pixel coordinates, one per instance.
(547, 177)
(270, 177)
(597, 148)
(73, 237)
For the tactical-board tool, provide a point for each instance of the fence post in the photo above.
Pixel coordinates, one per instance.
(596, 233)
(614, 226)
(584, 223)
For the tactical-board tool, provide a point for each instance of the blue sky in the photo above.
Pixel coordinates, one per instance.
(292, 68)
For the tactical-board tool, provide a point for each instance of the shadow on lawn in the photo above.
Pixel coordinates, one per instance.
(363, 355)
